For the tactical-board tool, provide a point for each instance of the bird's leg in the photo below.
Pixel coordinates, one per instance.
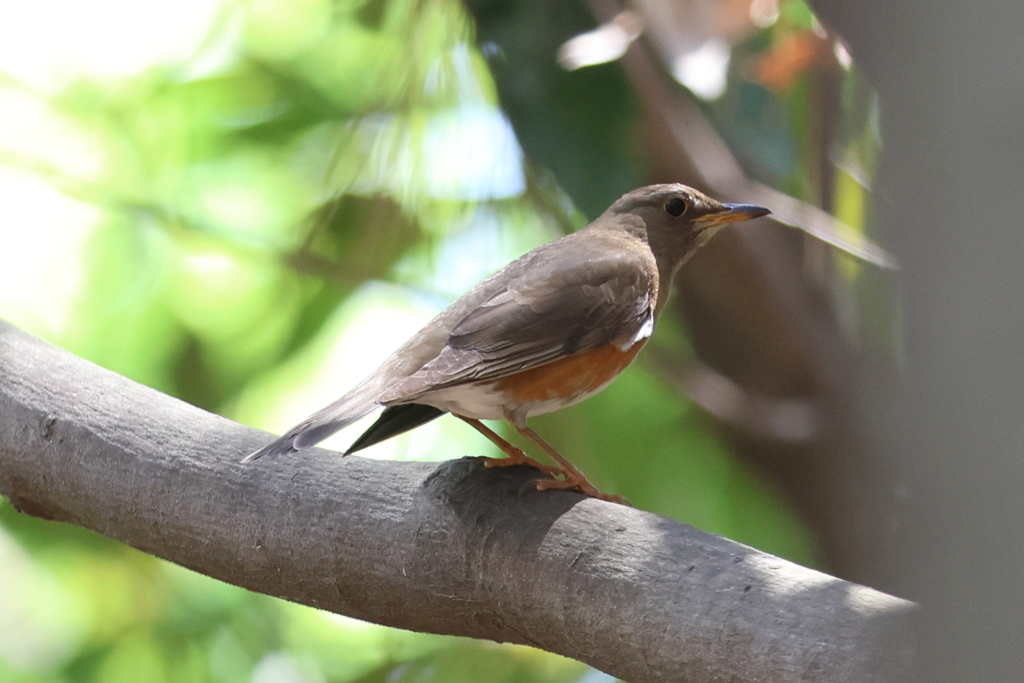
(574, 479)
(515, 455)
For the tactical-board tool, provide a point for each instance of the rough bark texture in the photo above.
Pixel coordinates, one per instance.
(451, 548)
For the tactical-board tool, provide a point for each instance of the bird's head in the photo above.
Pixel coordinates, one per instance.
(674, 220)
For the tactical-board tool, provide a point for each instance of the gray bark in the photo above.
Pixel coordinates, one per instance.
(452, 548)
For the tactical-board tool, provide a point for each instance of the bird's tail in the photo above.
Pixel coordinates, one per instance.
(319, 425)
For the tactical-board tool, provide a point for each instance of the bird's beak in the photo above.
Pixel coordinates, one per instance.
(732, 213)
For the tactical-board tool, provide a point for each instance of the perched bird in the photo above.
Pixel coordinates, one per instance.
(546, 331)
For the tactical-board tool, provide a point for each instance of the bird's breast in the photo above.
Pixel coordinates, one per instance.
(570, 379)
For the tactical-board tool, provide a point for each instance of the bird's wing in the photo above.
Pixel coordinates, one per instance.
(545, 312)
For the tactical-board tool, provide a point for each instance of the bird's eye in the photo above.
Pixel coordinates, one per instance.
(675, 206)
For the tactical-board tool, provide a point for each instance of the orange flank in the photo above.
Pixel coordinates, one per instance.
(571, 377)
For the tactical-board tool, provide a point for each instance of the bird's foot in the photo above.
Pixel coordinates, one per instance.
(523, 459)
(580, 485)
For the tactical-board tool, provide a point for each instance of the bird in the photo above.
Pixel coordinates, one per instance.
(550, 329)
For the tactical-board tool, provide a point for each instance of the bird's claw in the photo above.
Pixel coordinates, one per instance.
(524, 459)
(558, 477)
(579, 485)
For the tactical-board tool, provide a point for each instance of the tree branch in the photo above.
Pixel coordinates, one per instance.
(452, 548)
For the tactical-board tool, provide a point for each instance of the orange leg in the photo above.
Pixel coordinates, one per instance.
(574, 479)
(515, 455)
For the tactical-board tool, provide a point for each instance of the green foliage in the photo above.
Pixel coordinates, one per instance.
(230, 214)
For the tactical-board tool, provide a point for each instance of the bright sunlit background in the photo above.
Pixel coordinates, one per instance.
(248, 204)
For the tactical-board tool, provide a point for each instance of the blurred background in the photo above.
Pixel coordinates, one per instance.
(248, 204)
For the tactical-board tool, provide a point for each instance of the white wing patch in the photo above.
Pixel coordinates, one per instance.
(642, 333)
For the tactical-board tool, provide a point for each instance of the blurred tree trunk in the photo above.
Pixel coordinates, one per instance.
(953, 123)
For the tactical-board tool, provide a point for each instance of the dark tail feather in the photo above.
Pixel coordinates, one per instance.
(393, 421)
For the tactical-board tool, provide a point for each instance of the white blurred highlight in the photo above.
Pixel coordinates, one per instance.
(705, 71)
(604, 44)
(97, 39)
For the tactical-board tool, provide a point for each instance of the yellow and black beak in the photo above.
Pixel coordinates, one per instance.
(732, 213)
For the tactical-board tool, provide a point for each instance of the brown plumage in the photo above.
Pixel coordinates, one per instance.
(546, 331)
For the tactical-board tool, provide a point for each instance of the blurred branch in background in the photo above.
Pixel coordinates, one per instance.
(712, 161)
